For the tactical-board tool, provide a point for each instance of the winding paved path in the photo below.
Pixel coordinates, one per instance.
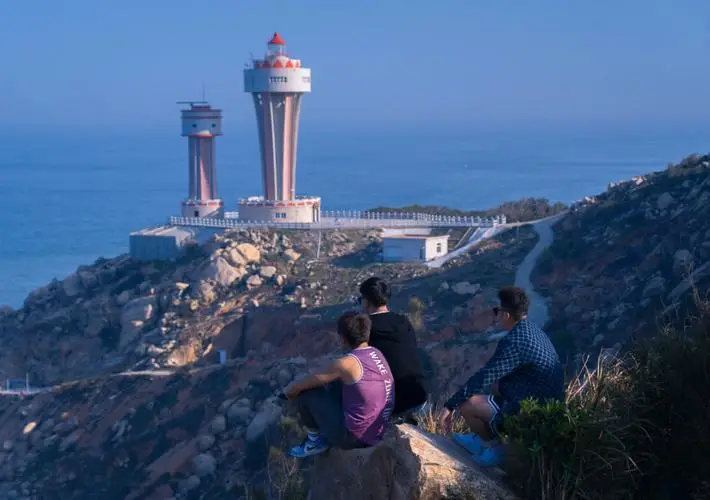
(538, 312)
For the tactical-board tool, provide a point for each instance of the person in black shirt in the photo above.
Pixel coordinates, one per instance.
(394, 335)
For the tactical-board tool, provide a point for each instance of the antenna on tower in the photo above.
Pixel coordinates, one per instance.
(203, 91)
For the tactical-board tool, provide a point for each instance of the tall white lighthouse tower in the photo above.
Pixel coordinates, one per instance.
(277, 84)
(201, 124)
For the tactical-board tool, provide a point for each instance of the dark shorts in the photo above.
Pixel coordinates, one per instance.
(321, 410)
(497, 413)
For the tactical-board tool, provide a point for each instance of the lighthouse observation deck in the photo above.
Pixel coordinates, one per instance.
(277, 72)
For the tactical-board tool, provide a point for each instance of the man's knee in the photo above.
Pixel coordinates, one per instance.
(477, 406)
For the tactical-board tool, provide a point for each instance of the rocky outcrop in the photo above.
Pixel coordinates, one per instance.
(629, 259)
(135, 315)
(221, 272)
(408, 464)
(176, 424)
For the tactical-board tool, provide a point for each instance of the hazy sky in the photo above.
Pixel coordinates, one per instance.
(84, 63)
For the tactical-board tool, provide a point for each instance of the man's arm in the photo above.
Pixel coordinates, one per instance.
(318, 379)
(504, 361)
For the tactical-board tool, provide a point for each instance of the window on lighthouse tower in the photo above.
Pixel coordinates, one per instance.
(276, 49)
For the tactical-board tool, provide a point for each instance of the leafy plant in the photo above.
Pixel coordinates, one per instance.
(583, 448)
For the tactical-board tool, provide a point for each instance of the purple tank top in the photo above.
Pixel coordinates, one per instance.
(368, 402)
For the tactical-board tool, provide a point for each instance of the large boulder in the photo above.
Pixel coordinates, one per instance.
(220, 271)
(249, 252)
(267, 272)
(135, 315)
(140, 309)
(408, 464)
(466, 288)
(235, 258)
(204, 464)
(664, 201)
(72, 285)
(291, 255)
(267, 416)
(254, 281)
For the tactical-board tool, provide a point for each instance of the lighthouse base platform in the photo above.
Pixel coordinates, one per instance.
(202, 208)
(301, 210)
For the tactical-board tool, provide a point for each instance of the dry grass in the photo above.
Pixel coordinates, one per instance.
(428, 421)
(285, 476)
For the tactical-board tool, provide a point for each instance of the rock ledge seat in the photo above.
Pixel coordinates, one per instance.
(409, 464)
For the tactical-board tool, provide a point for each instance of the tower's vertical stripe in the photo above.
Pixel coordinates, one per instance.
(295, 114)
(191, 175)
(204, 165)
(213, 176)
(269, 160)
(286, 145)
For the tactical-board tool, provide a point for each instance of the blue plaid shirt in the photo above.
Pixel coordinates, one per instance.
(525, 365)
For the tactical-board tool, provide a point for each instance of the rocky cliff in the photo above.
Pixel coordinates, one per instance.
(140, 409)
(630, 259)
(119, 314)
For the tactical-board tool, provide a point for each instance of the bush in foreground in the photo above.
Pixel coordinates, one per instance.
(586, 447)
(633, 428)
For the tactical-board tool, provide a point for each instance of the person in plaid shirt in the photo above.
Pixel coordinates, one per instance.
(524, 365)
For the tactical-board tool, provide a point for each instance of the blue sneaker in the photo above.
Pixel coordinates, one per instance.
(310, 447)
(470, 442)
(490, 457)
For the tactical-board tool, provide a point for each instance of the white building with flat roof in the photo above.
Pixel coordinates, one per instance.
(414, 247)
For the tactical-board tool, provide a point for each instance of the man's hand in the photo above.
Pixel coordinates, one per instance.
(444, 420)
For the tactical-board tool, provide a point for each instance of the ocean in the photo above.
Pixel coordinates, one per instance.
(69, 198)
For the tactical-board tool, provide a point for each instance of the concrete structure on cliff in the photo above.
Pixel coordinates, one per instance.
(277, 84)
(408, 247)
(201, 124)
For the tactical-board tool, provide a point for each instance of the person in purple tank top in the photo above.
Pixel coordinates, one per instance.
(347, 405)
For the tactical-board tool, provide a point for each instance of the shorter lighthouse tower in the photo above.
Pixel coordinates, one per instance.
(201, 124)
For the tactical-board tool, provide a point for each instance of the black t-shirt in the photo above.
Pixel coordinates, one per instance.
(394, 335)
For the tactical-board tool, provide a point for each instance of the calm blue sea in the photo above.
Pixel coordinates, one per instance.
(70, 198)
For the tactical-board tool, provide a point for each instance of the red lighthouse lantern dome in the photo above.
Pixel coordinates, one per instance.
(277, 45)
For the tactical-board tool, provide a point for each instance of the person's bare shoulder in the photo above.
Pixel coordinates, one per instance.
(349, 368)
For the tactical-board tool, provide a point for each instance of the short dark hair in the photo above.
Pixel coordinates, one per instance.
(376, 291)
(514, 301)
(354, 327)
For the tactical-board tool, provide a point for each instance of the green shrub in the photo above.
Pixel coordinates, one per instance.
(672, 378)
(586, 447)
(634, 428)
